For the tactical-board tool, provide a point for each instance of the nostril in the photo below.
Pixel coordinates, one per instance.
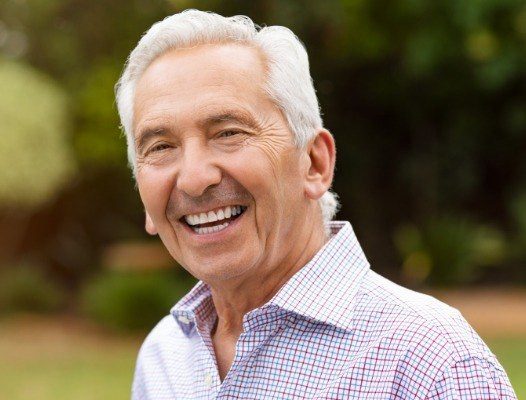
(196, 180)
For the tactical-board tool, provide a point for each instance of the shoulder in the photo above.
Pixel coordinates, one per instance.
(472, 379)
(161, 355)
(435, 348)
(165, 336)
(163, 361)
(165, 347)
(418, 319)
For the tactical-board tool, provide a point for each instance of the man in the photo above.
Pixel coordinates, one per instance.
(233, 166)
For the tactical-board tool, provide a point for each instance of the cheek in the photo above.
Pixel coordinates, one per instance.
(254, 171)
(154, 189)
(269, 180)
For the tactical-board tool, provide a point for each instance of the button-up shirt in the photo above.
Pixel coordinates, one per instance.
(334, 330)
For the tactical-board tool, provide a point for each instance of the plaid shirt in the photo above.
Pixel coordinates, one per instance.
(335, 330)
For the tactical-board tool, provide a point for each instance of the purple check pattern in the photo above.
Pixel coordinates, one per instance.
(335, 330)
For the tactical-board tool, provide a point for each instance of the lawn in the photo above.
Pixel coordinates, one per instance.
(64, 359)
(68, 359)
(512, 355)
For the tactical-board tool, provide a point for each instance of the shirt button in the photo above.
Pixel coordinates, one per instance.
(208, 380)
(183, 319)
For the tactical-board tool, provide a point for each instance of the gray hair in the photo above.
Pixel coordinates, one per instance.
(288, 83)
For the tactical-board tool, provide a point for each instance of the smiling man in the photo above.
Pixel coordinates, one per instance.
(234, 167)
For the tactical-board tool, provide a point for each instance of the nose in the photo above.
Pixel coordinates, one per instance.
(197, 170)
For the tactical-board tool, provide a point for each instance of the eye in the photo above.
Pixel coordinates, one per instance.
(228, 133)
(158, 147)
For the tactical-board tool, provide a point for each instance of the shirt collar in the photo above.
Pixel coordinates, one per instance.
(325, 287)
(322, 290)
(195, 307)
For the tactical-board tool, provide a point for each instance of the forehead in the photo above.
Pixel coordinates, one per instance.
(192, 80)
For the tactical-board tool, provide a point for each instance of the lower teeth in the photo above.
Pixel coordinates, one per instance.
(211, 229)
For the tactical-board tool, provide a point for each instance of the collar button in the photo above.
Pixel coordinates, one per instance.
(208, 380)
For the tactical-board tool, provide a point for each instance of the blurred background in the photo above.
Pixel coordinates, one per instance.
(426, 100)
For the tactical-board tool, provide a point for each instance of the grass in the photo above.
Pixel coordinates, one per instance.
(83, 375)
(512, 355)
(64, 359)
(71, 360)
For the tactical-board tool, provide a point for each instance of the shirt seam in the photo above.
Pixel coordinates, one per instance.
(448, 367)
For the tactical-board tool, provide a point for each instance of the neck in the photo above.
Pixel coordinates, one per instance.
(232, 300)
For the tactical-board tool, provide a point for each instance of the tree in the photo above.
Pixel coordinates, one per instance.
(35, 156)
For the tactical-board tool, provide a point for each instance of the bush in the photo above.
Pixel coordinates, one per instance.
(25, 288)
(133, 300)
(36, 160)
(448, 250)
(518, 212)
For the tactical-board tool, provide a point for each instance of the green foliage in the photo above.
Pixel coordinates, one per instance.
(35, 158)
(517, 246)
(426, 100)
(133, 300)
(448, 250)
(24, 288)
(97, 141)
(518, 211)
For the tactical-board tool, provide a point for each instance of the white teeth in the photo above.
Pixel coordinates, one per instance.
(211, 216)
(210, 229)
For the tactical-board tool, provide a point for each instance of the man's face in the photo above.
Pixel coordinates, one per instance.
(209, 139)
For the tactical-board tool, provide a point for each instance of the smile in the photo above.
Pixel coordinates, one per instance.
(214, 220)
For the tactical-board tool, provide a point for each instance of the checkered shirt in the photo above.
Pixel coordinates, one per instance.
(335, 330)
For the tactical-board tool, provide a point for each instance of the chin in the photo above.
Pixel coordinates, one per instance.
(217, 274)
(211, 271)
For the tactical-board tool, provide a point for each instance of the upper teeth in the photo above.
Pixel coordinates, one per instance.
(212, 216)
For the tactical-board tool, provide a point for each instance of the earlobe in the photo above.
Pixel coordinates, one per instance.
(149, 226)
(322, 156)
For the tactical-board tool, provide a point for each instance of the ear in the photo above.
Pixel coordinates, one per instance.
(322, 155)
(149, 226)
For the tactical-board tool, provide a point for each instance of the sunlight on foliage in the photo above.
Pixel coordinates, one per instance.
(35, 156)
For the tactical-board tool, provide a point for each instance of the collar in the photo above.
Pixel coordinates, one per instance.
(323, 290)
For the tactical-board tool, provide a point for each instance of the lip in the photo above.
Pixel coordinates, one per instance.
(213, 236)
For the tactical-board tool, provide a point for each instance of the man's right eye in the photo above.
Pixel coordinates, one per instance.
(158, 147)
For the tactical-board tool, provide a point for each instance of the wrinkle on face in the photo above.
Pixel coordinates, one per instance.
(259, 167)
(273, 139)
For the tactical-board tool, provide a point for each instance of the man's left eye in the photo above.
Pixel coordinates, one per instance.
(228, 133)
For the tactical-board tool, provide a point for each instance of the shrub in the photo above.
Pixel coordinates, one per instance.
(35, 157)
(25, 288)
(133, 300)
(518, 213)
(448, 250)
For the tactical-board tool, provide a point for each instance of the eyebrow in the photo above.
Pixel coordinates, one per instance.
(230, 116)
(146, 134)
(235, 116)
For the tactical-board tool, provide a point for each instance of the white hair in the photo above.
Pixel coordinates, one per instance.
(288, 81)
